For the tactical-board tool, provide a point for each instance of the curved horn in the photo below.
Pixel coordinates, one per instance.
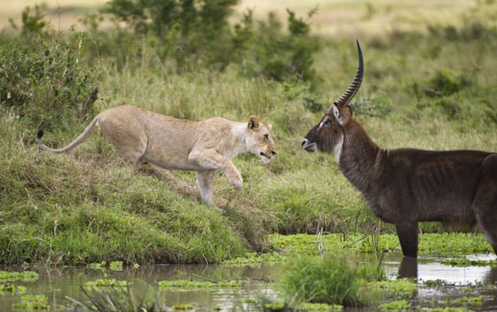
(351, 91)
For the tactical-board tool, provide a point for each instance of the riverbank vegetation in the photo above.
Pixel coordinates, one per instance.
(426, 87)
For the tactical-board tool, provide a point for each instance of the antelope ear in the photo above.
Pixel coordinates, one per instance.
(253, 123)
(341, 117)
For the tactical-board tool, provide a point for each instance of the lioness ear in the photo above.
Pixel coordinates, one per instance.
(253, 123)
(341, 117)
(269, 126)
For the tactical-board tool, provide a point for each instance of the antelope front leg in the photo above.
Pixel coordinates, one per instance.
(408, 237)
(212, 160)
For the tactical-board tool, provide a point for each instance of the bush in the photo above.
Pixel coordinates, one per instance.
(197, 33)
(43, 81)
(446, 82)
(334, 278)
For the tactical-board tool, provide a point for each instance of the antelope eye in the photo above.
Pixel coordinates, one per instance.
(327, 122)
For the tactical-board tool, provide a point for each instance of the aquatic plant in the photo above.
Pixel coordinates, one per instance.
(8, 288)
(333, 278)
(398, 305)
(106, 282)
(445, 309)
(462, 262)
(116, 266)
(255, 258)
(307, 306)
(184, 284)
(437, 283)
(32, 302)
(122, 299)
(97, 266)
(476, 300)
(398, 288)
(183, 306)
(27, 276)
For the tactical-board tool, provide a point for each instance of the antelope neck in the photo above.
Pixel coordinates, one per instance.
(361, 158)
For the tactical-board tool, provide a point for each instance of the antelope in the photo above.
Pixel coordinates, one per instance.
(405, 186)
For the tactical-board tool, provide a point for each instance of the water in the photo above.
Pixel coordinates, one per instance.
(59, 283)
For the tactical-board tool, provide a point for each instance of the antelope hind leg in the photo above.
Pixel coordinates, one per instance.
(408, 237)
(485, 202)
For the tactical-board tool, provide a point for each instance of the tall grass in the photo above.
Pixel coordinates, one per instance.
(431, 89)
(334, 278)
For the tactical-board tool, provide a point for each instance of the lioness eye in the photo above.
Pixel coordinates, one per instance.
(266, 137)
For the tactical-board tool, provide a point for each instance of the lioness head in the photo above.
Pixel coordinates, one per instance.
(260, 140)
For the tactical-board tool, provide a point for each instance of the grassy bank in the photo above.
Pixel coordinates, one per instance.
(433, 88)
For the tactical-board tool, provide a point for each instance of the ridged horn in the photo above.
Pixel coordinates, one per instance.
(351, 91)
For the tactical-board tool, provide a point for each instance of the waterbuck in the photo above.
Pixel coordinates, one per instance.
(405, 186)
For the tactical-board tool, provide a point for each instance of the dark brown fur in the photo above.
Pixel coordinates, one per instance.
(405, 186)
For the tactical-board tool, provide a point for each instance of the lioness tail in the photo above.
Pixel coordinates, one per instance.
(71, 145)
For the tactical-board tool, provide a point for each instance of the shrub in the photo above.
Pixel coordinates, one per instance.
(334, 278)
(43, 81)
(446, 82)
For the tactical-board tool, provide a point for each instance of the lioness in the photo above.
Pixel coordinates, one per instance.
(204, 146)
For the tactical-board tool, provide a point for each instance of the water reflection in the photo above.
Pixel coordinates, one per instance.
(408, 268)
(57, 283)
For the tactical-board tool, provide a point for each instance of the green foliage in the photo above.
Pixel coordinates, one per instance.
(27, 276)
(398, 305)
(285, 57)
(106, 282)
(32, 302)
(306, 306)
(475, 301)
(32, 23)
(399, 288)
(183, 306)
(43, 81)
(183, 284)
(447, 82)
(97, 266)
(446, 309)
(334, 278)
(11, 289)
(463, 262)
(116, 298)
(116, 266)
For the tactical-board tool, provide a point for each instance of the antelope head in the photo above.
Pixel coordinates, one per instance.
(328, 135)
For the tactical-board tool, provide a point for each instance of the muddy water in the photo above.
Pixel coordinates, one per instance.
(59, 283)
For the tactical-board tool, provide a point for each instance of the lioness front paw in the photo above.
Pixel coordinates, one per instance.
(238, 183)
(236, 180)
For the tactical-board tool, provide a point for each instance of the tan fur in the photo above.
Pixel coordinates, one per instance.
(205, 146)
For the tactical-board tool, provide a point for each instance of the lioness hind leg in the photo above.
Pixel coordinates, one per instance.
(205, 179)
(127, 136)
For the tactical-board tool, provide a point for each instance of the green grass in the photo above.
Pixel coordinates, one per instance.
(334, 278)
(430, 86)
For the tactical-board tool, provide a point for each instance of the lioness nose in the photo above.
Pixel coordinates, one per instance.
(273, 153)
(304, 142)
